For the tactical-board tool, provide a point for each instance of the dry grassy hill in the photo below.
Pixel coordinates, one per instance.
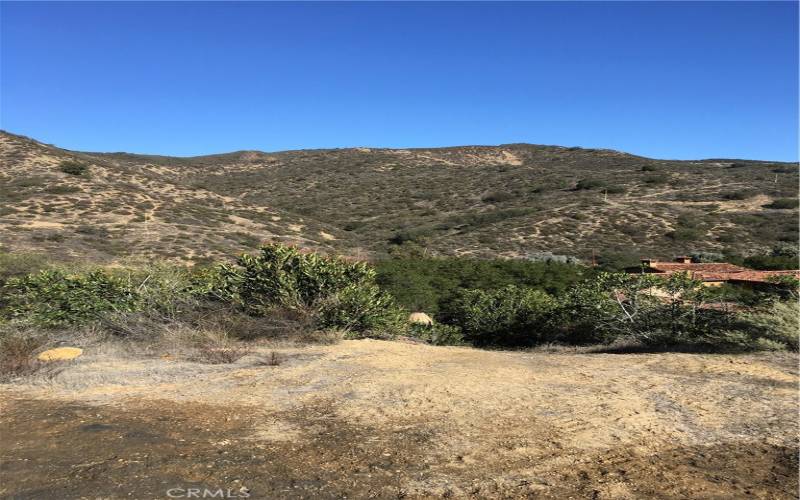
(509, 200)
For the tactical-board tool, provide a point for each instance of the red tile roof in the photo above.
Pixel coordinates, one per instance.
(761, 276)
(718, 271)
(715, 267)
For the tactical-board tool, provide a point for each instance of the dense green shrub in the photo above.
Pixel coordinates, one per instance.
(778, 324)
(656, 179)
(53, 298)
(678, 315)
(430, 284)
(771, 262)
(741, 194)
(72, 167)
(589, 184)
(438, 334)
(409, 236)
(685, 234)
(484, 302)
(618, 260)
(362, 311)
(281, 275)
(783, 204)
(342, 294)
(510, 316)
(783, 256)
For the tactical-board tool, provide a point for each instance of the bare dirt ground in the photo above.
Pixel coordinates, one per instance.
(372, 419)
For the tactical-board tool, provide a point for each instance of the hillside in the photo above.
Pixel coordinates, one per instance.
(511, 200)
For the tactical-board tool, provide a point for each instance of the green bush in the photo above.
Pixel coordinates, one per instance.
(362, 311)
(771, 262)
(438, 334)
(656, 179)
(341, 294)
(281, 275)
(742, 194)
(783, 204)
(685, 234)
(777, 324)
(53, 298)
(511, 316)
(617, 306)
(73, 167)
(430, 284)
(589, 184)
(417, 236)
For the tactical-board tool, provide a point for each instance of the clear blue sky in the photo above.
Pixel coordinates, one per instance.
(667, 80)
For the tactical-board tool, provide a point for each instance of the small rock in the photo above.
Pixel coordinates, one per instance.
(60, 354)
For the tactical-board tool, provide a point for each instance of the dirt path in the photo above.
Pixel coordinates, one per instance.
(370, 419)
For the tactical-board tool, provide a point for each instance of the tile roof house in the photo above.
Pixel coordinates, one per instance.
(711, 274)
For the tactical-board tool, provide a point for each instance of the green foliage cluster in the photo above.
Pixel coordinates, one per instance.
(741, 194)
(342, 294)
(72, 167)
(782, 257)
(783, 204)
(776, 325)
(54, 298)
(510, 316)
(656, 179)
(361, 311)
(438, 334)
(589, 184)
(431, 284)
(655, 311)
(687, 228)
(484, 303)
(338, 294)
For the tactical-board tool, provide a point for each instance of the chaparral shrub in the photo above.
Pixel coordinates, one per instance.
(438, 334)
(53, 297)
(510, 316)
(343, 294)
(783, 204)
(663, 312)
(362, 311)
(73, 167)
